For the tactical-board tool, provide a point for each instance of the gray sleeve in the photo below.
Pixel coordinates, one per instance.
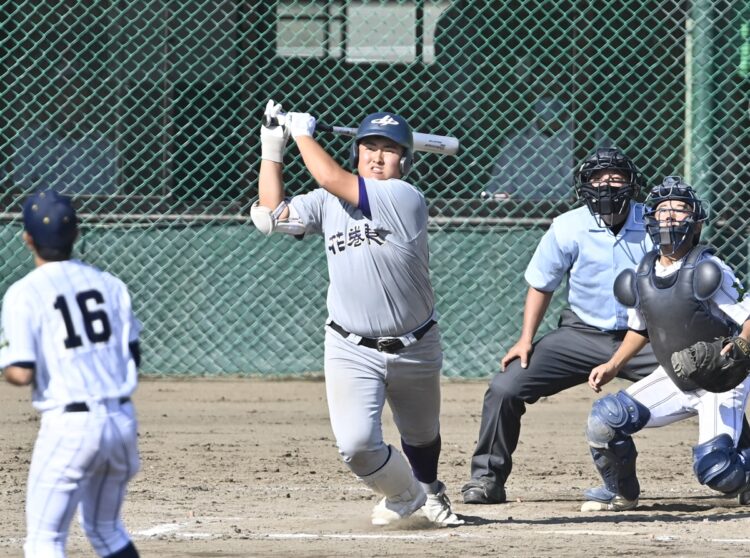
(309, 207)
(398, 207)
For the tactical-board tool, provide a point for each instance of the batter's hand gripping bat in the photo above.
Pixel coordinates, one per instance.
(428, 143)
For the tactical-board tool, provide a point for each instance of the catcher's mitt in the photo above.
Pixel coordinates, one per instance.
(704, 364)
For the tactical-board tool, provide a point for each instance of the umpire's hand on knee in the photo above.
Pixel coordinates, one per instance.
(522, 349)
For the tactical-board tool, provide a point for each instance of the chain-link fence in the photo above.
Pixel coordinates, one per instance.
(148, 112)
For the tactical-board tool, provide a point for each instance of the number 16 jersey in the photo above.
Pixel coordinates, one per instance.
(74, 324)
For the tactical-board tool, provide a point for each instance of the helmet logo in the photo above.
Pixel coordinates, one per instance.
(386, 120)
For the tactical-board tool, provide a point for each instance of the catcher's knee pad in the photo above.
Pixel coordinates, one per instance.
(718, 465)
(615, 415)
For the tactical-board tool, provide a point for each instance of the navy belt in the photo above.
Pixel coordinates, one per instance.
(383, 344)
(82, 407)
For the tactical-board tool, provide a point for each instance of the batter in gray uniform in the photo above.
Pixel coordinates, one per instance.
(382, 340)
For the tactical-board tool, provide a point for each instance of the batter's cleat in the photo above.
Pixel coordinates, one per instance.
(601, 499)
(483, 491)
(399, 507)
(437, 509)
(744, 498)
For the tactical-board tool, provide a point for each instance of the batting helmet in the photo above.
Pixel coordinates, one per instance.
(674, 233)
(387, 125)
(607, 198)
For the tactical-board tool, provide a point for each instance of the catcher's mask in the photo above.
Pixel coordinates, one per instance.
(607, 200)
(387, 125)
(670, 236)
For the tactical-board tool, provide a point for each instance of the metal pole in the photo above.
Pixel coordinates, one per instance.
(699, 109)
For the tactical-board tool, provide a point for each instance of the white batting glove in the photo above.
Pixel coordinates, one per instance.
(300, 124)
(273, 138)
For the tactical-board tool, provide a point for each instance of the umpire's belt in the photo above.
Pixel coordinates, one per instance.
(83, 407)
(383, 344)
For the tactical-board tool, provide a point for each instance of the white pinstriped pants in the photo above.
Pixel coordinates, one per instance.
(718, 413)
(81, 460)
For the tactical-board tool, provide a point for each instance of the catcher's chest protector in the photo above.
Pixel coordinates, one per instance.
(675, 317)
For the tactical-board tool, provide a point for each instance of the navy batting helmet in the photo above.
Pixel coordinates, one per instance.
(674, 233)
(387, 125)
(607, 199)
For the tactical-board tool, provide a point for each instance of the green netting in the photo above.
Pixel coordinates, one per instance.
(148, 113)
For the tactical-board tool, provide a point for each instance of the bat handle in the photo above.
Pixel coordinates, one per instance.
(271, 122)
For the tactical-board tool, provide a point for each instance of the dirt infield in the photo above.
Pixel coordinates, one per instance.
(246, 467)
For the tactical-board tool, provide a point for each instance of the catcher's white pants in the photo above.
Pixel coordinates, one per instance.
(82, 461)
(718, 413)
(359, 380)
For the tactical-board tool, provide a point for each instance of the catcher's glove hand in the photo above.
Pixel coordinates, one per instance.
(704, 364)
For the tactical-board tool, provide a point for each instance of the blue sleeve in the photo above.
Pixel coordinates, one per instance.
(549, 264)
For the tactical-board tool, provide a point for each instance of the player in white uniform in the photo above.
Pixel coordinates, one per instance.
(382, 341)
(679, 295)
(68, 330)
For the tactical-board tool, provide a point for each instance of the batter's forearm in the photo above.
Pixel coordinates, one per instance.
(270, 185)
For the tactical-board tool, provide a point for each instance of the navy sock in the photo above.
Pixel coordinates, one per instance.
(423, 460)
(127, 552)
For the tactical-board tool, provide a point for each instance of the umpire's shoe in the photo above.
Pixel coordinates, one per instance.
(483, 491)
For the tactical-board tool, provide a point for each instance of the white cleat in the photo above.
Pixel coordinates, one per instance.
(601, 499)
(437, 509)
(616, 505)
(388, 511)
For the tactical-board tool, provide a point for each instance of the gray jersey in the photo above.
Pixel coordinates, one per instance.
(379, 267)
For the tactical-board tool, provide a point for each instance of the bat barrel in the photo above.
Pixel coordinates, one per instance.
(428, 143)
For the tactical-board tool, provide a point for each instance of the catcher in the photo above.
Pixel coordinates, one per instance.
(688, 304)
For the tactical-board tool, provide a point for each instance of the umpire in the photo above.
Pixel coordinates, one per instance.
(590, 245)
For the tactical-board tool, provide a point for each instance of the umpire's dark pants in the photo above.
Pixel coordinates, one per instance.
(560, 360)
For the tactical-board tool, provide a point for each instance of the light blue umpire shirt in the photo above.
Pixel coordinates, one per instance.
(591, 257)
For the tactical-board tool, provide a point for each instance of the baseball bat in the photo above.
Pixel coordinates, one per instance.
(428, 143)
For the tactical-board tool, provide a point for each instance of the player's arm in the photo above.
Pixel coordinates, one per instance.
(273, 141)
(271, 212)
(324, 169)
(19, 375)
(534, 310)
(631, 345)
(17, 338)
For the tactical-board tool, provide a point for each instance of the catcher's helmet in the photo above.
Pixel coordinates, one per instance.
(674, 234)
(387, 125)
(607, 199)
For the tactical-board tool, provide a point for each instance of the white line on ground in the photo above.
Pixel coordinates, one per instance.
(160, 529)
(366, 536)
(592, 532)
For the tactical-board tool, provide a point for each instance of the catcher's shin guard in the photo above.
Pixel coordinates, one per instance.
(718, 465)
(612, 420)
(616, 465)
